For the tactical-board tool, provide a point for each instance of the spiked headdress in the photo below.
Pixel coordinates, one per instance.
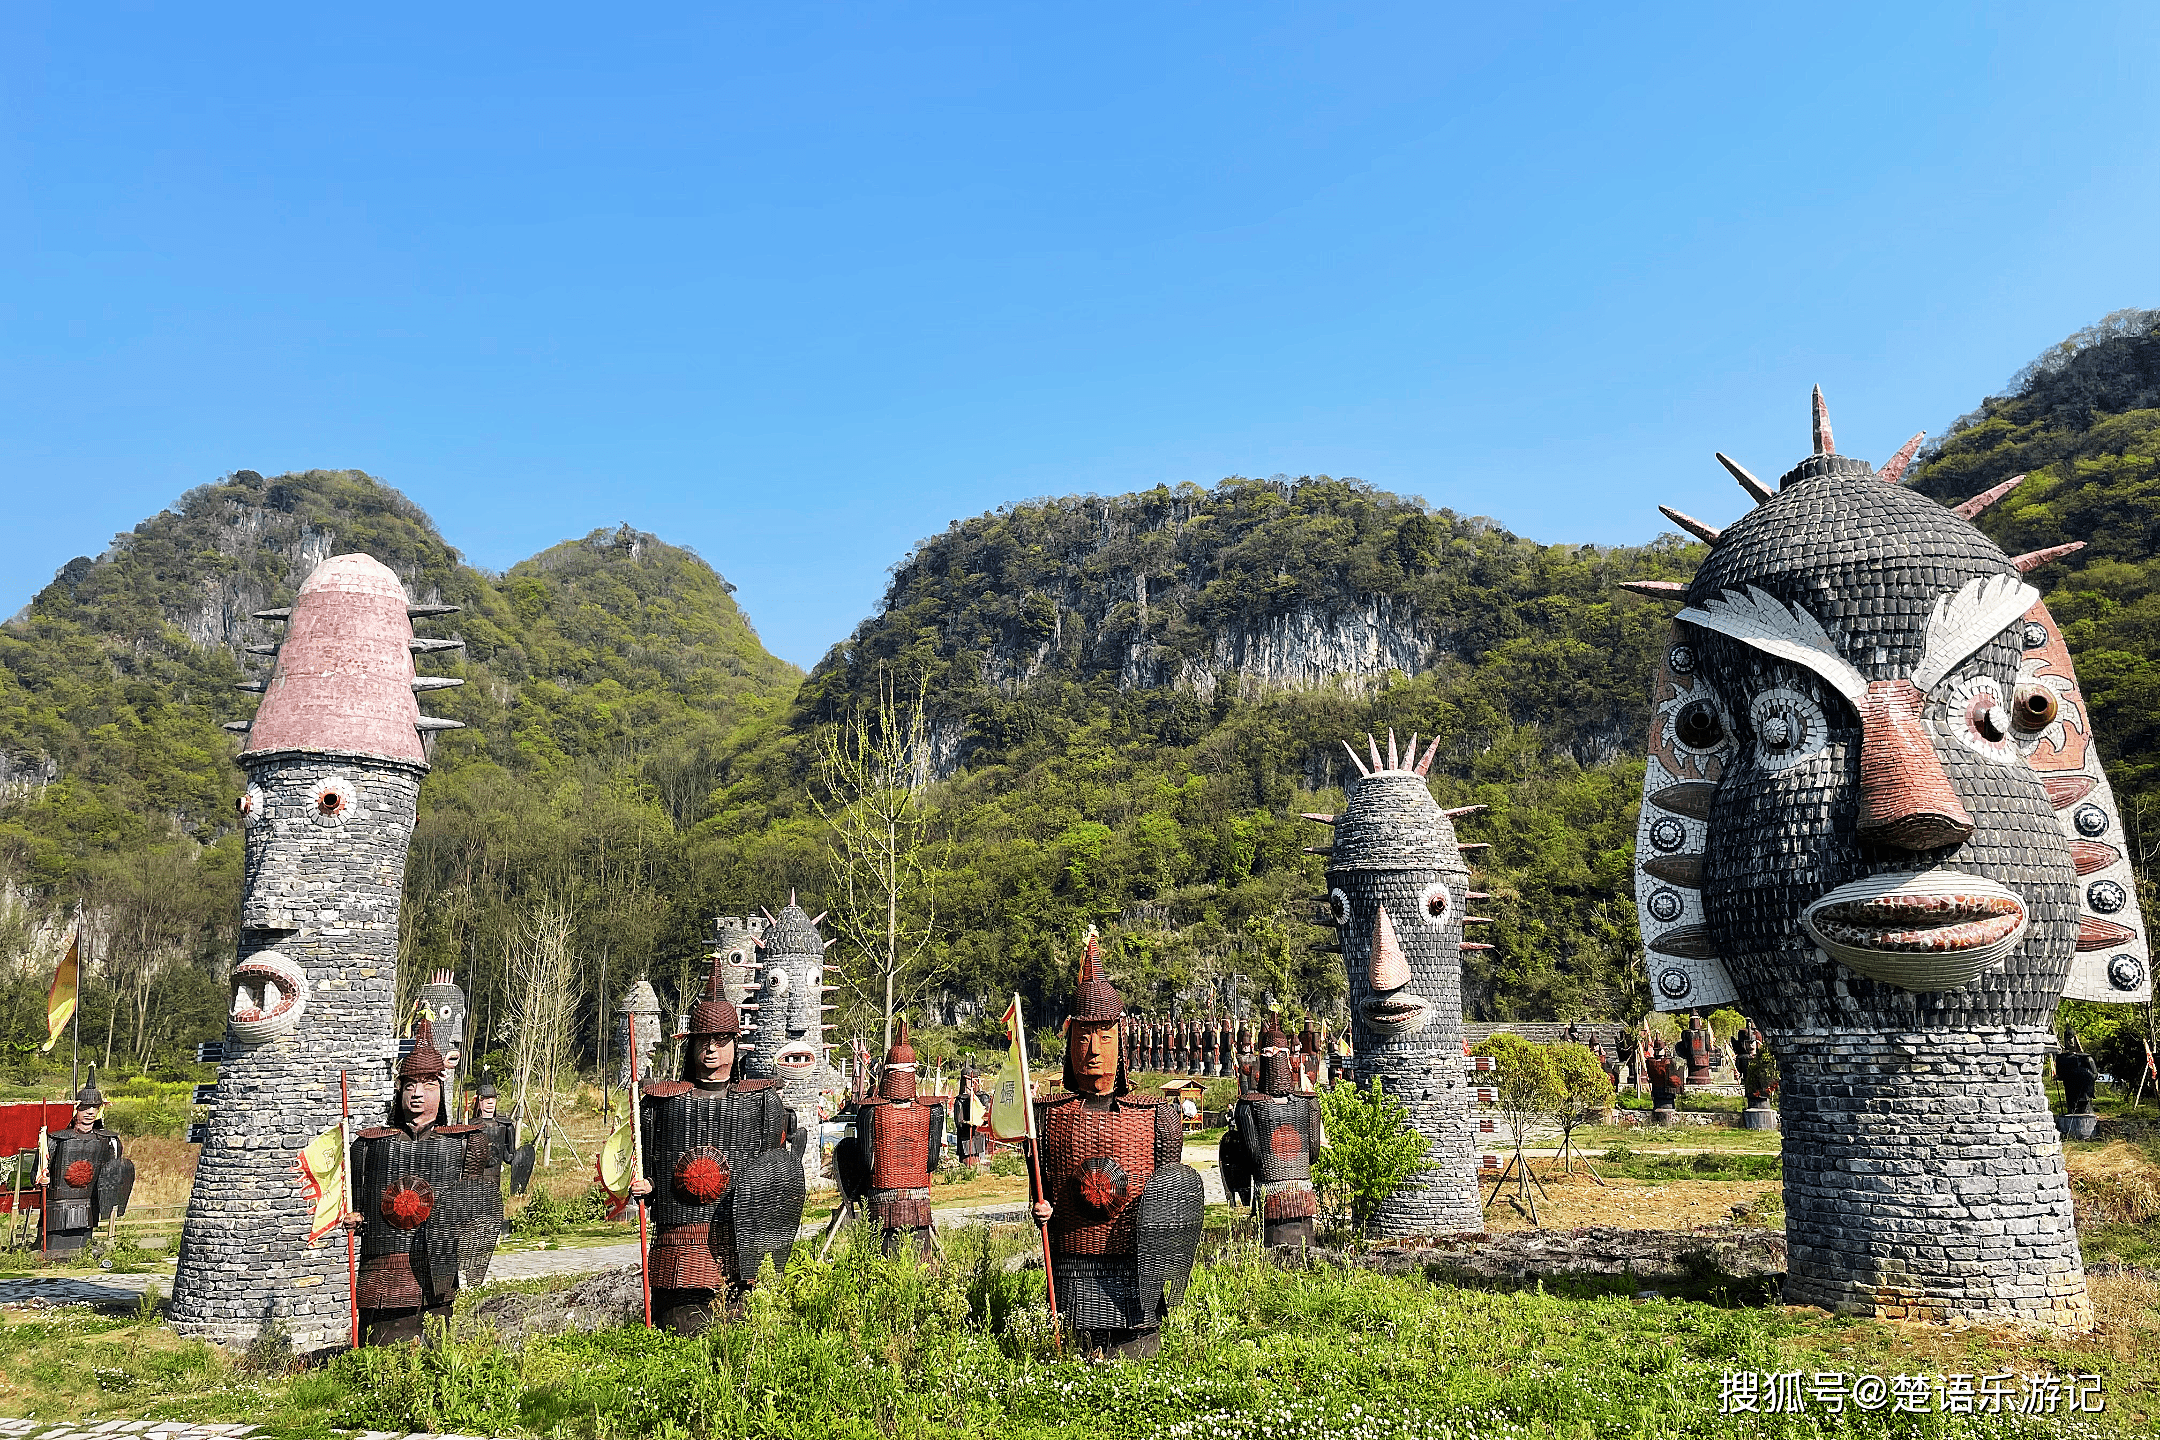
(898, 1081)
(423, 1061)
(1095, 1003)
(1275, 1059)
(714, 1015)
(90, 1097)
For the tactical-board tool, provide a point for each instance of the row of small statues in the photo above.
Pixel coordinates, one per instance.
(1207, 1048)
(722, 1178)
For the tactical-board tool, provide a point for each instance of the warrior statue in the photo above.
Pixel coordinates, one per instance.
(1123, 1208)
(1667, 1079)
(1279, 1131)
(427, 1195)
(1397, 892)
(1698, 1047)
(899, 1141)
(1875, 819)
(725, 1189)
(87, 1178)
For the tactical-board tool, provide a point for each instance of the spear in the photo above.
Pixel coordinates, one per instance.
(637, 1171)
(352, 1259)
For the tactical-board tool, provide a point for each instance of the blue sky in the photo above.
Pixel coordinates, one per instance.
(799, 285)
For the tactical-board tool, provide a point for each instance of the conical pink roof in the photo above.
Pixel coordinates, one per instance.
(344, 676)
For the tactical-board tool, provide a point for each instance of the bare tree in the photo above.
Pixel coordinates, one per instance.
(873, 773)
(543, 1001)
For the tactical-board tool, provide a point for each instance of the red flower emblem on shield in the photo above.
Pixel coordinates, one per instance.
(701, 1176)
(80, 1174)
(408, 1203)
(1285, 1143)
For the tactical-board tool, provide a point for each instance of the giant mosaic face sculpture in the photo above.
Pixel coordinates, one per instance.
(791, 1006)
(1398, 889)
(1872, 797)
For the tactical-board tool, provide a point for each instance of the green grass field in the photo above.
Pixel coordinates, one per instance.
(866, 1347)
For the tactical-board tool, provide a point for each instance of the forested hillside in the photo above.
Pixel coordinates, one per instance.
(600, 674)
(1128, 701)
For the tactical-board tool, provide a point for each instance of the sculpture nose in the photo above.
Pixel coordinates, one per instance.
(1906, 796)
(1389, 969)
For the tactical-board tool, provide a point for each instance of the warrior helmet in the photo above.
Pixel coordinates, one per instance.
(1275, 1059)
(713, 1015)
(90, 1097)
(1094, 1003)
(898, 1081)
(423, 1061)
(487, 1090)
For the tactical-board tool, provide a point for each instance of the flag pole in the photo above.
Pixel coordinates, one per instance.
(637, 1172)
(1034, 1157)
(352, 1262)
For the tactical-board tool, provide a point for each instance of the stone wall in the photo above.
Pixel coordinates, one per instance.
(322, 891)
(1924, 1179)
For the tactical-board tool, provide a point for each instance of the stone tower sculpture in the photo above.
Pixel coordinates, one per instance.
(789, 1043)
(1398, 888)
(334, 759)
(1874, 816)
(637, 1030)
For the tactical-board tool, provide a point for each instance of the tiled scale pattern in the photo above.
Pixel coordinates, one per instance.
(1854, 653)
(1398, 897)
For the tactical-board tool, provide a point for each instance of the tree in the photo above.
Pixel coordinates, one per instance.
(873, 773)
(1586, 1093)
(543, 1001)
(1528, 1092)
(1724, 1023)
(1372, 1150)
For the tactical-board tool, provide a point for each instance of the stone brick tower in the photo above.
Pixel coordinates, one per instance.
(334, 759)
(789, 1041)
(1874, 815)
(1398, 888)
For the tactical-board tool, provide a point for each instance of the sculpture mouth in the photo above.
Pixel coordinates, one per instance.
(1930, 930)
(1399, 1013)
(268, 993)
(797, 1060)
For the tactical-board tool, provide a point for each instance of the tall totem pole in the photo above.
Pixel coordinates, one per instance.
(1398, 889)
(334, 759)
(1875, 817)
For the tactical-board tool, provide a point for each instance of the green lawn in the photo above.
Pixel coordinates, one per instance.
(866, 1347)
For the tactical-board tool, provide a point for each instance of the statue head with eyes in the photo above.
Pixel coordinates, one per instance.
(1397, 892)
(1874, 818)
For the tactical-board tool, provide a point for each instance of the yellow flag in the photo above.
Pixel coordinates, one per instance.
(617, 1165)
(321, 1168)
(1012, 1110)
(60, 999)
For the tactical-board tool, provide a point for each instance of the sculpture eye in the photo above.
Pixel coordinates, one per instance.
(779, 980)
(1434, 902)
(1338, 908)
(1699, 726)
(2033, 708)
(1789, 727)
(1980, 720)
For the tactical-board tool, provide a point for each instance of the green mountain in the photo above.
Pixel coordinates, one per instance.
(601, 676)
(1129, 701)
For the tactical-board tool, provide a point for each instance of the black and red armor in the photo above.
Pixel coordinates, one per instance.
(901, 1139)
(726, 1190)
(1125, 1210)
(424, 1198)
(426, 1195)
(1279, 1135)
(88, 1178)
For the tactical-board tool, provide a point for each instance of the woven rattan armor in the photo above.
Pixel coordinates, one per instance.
(1093, 1203)
(79, 1171)
(709, 1244)
(422, 1263)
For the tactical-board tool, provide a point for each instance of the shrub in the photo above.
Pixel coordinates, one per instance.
(1372, 1150)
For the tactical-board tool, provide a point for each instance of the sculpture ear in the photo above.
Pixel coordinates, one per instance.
(2113, 960)
(1674, 831)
